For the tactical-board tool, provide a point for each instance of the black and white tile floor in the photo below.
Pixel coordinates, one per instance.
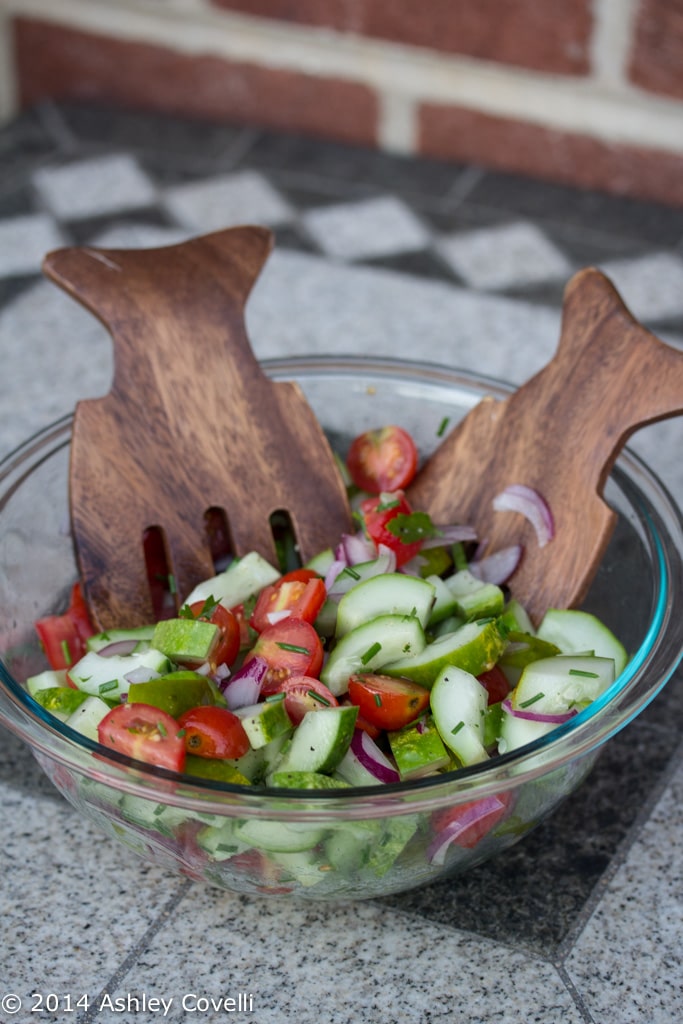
(581, 922)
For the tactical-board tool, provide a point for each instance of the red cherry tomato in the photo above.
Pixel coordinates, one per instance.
(300, 598)
(145, 733)
(228, 646)
(378, 513)
(291, 648)
(495, 683)
(386, 702)
(477, 818)
(213, 732)
(382, 460)
(63, 636)
(303, 694)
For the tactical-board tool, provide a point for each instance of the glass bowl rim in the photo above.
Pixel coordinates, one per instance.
(565, 744)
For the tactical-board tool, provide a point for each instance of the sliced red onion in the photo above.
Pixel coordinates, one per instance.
(538, 716)
(119, 648)
(471, 814)
(354, 548)
(143, 674)
(385, 562)
(204, 669)
(243, 688)
(452, 534)
(337, 566)
(499, 566)
(372, 758)
(530, 504)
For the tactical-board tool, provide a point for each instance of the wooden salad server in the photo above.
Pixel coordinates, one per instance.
(559, 435)
(191, 423)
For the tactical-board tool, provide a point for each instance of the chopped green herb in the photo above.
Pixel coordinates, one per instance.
(580, 672)
(459, 556)
(318, 697)
(226, 847)
(349, 571)
(111, 684)
(66, 653)
(458, 727)
(205, 612)
(411, 527)
(443, 426)
(159, 809)
(532, 700)
(162, 728)
(292, 647)
(171, 583)
(181, 733)
(385, 506)
(378, 700)
(274, 698)
(371, 652)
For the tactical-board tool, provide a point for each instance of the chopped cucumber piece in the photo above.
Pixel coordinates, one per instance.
(444, 603)
(108, 676)
(475, 599)
(142, 635)
(306, 780)
(88, 716)
(320, 741)
(47, 680)
(575, 631)
(60, 701)
(189, 641)
(553, 686)
(243, 577)
(474, 647)
(458, 703)
(418, 749)
(265, 722)
(278, 836)
(370, 647)
(393, 593)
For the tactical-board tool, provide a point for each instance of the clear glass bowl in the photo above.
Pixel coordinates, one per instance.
(354, 843)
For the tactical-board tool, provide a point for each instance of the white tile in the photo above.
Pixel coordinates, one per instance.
(365, 229)
(626, 964)
(504, 257)
(651, 286)
(226, 201)
(138, 235)
(88, 188)
(336, 963)
(24, 241)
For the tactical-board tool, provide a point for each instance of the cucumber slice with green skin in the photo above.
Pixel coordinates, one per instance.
(475, 599)
(242, 578)
(517, 732)
(574, 631)
(396, 835)
(458, 702)
(418, 749)
(306, 780)
(141, 635)
(553, 686)
(278, 836)
(393, 593)
(302, 866)
(370, 647)
(47, 680)
(88, 716)
(320, 741)
(444, 603)
(218, 770)
(265, 722)
(474, 647)
(188, 641)
(352, 575)
(175, 693)
(326, 622)
(60, 701)
(106, 676)
(517, 617)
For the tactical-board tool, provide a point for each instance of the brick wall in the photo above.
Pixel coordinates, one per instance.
(586, 92)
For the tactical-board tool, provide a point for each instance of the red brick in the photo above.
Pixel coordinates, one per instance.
(545, 36)
(467, 136)
(57, 62)
(657, 57)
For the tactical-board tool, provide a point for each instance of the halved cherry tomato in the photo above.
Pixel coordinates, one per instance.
(63, 636)
(145, 733)
(247, 634)
(378, 513)
(302, 598)
(495, 683)
(291, 648)
(387, 702)
(304, 693)
(477, 818)
(382, 460)
(228, 646)
(213, 732)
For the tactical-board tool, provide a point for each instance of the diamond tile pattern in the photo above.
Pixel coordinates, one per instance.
(387, 256)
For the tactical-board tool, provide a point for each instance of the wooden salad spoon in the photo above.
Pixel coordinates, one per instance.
(191, 423)
(559, 435)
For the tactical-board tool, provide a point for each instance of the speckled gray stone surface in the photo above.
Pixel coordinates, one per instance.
(579, 923)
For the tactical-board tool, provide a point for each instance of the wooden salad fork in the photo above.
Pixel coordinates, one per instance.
(558, 435)
(191, 423)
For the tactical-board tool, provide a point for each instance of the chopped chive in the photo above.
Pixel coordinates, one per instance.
(171, 583)
(159, 809)
(442, 426)
(273, 698)
(162, 728)
(532, 700)
(66, 653)
(378, 700)
(181, 733)
(580, 672)
(111, 684)
(459, 556)
(348, 571)
(293, 647)
(458, 727)
(371, 652)
(384, 506)
(318, 697)
(226, 847)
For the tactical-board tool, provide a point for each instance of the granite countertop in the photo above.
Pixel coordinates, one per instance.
(581, 922)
